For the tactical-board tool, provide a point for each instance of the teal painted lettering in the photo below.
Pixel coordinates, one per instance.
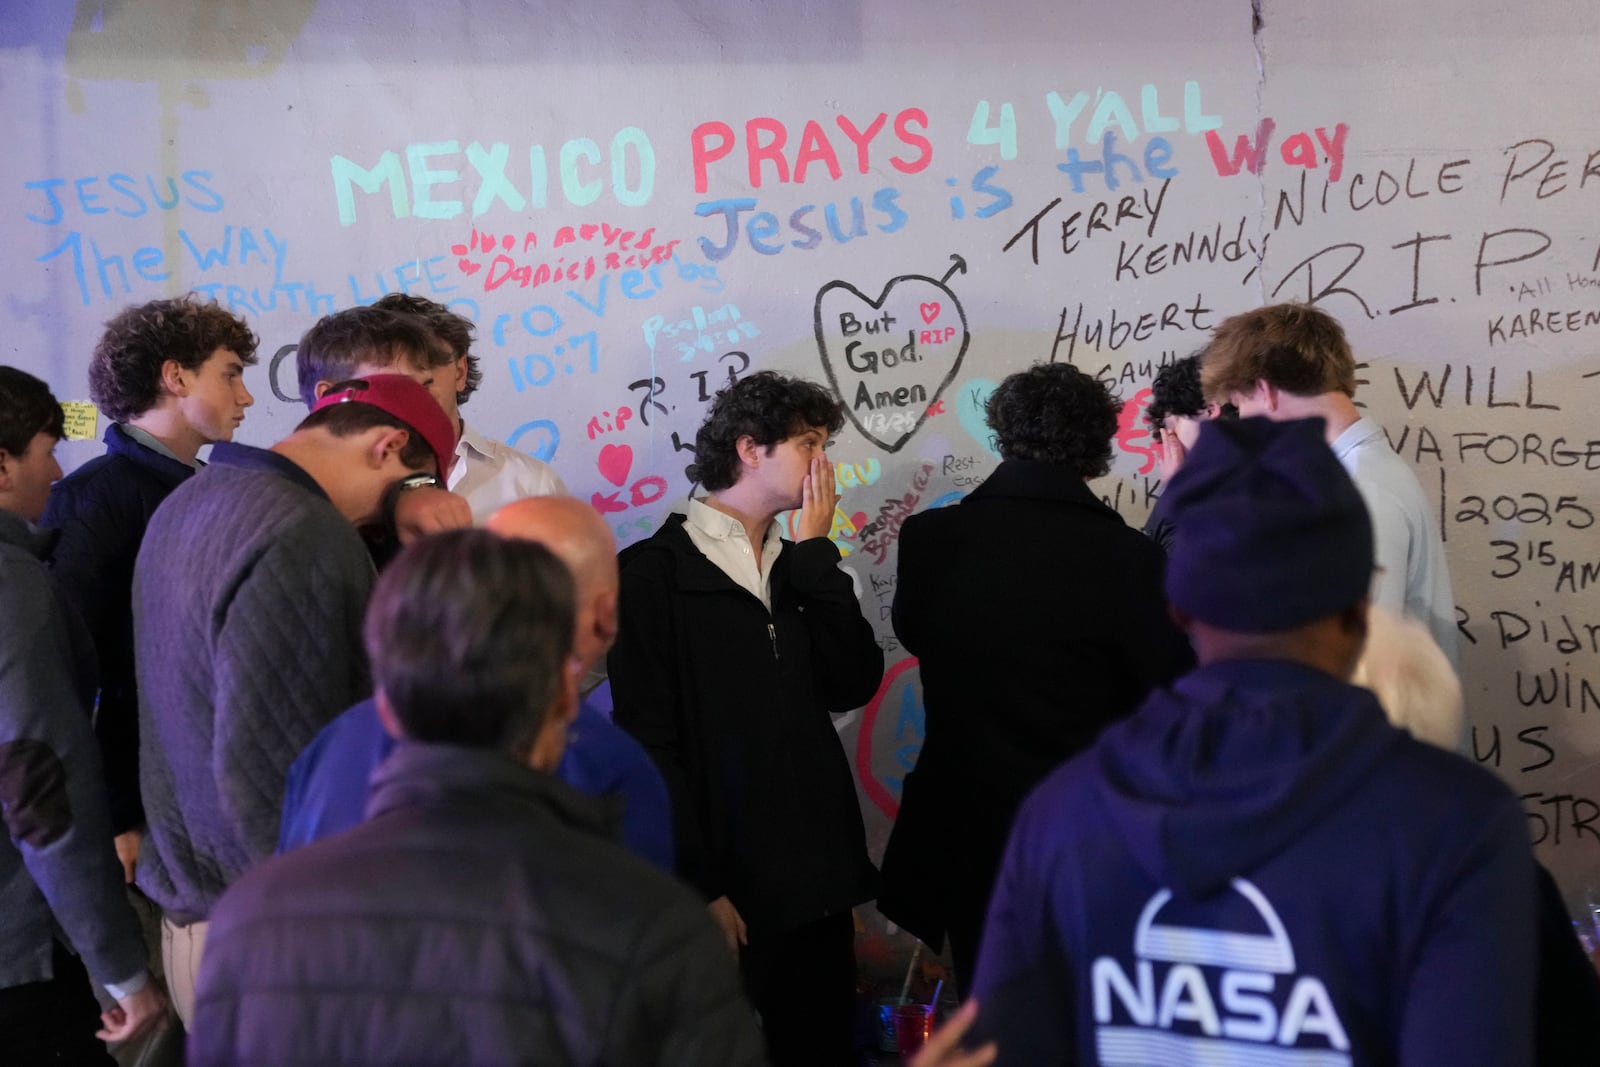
(1064, 114)
(1150, 108)
(1194, 119)
(348, 177)
(1004, 135)
(585, 193)
(639, 141)
(539, 182)
(1110, 110)
(422, 180)
(490, 164)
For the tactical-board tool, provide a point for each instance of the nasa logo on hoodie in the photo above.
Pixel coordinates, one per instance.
(1200, 994)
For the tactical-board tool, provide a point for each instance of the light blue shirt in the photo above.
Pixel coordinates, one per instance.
(1415, 579)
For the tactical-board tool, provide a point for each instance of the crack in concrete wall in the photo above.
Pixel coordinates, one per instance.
(1258, 38)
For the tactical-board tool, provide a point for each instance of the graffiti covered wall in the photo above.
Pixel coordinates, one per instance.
(638, 203)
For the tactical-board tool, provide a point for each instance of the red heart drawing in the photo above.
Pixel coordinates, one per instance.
(615, 462)
(859, 519)
(469, 267)
(929, 311)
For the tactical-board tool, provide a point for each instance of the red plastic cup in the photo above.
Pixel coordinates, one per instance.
(912, 1024)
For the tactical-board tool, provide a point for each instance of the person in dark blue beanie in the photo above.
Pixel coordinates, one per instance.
(1262, 500)
(1277, 874)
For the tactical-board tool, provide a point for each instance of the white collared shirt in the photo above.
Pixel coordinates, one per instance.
(721, 538)
(491, 474)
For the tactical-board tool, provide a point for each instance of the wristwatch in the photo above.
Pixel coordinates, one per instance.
(391, 495)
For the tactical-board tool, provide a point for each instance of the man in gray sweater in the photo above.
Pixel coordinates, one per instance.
(62, 902)
(248, 597)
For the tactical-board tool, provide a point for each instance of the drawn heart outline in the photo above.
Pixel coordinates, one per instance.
(615, 462)
(929, 311)
(883, 297)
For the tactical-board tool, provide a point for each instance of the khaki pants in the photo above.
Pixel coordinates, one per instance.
(162, 1047)
(181, 947)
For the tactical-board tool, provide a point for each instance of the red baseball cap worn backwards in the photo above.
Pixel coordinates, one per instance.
(407, 401)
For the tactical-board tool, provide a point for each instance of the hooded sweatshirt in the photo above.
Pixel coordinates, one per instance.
(1256, 868)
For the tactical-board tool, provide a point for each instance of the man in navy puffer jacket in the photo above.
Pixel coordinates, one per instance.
(483, 913)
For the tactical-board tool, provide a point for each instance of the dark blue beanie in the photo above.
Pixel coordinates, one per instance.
(1271, 532)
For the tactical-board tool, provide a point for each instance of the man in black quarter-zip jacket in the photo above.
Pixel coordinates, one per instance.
(735, 647)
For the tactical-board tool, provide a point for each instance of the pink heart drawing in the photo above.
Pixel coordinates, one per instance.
(615, 462)
(929, 311)
(468, 266)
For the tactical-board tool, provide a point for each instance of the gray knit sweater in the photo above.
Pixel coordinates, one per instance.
(248, 597)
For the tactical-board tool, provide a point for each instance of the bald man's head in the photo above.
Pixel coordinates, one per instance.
(580, 538)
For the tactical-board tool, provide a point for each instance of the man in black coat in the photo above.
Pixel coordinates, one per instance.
(734, 648)
(1025, 653)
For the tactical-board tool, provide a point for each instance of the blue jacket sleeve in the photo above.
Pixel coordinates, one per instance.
(326, 790)
(602, 759)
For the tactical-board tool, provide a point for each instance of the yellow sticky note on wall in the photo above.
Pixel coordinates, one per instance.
(83, 420)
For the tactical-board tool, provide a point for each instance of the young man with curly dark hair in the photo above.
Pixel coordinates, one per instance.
(734, 650)
(1025, 653)
(170, 376)
(1176, 410)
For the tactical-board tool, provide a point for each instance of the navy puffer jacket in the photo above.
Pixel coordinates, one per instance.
(480, 916)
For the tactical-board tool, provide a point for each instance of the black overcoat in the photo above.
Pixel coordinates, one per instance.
(734, 703)
(1038, 617)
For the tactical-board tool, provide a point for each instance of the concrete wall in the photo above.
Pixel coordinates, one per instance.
(1008, 182)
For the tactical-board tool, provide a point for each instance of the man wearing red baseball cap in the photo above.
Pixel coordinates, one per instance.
(248, 598)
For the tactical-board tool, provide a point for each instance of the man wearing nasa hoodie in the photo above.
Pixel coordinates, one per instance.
(1256, 867)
